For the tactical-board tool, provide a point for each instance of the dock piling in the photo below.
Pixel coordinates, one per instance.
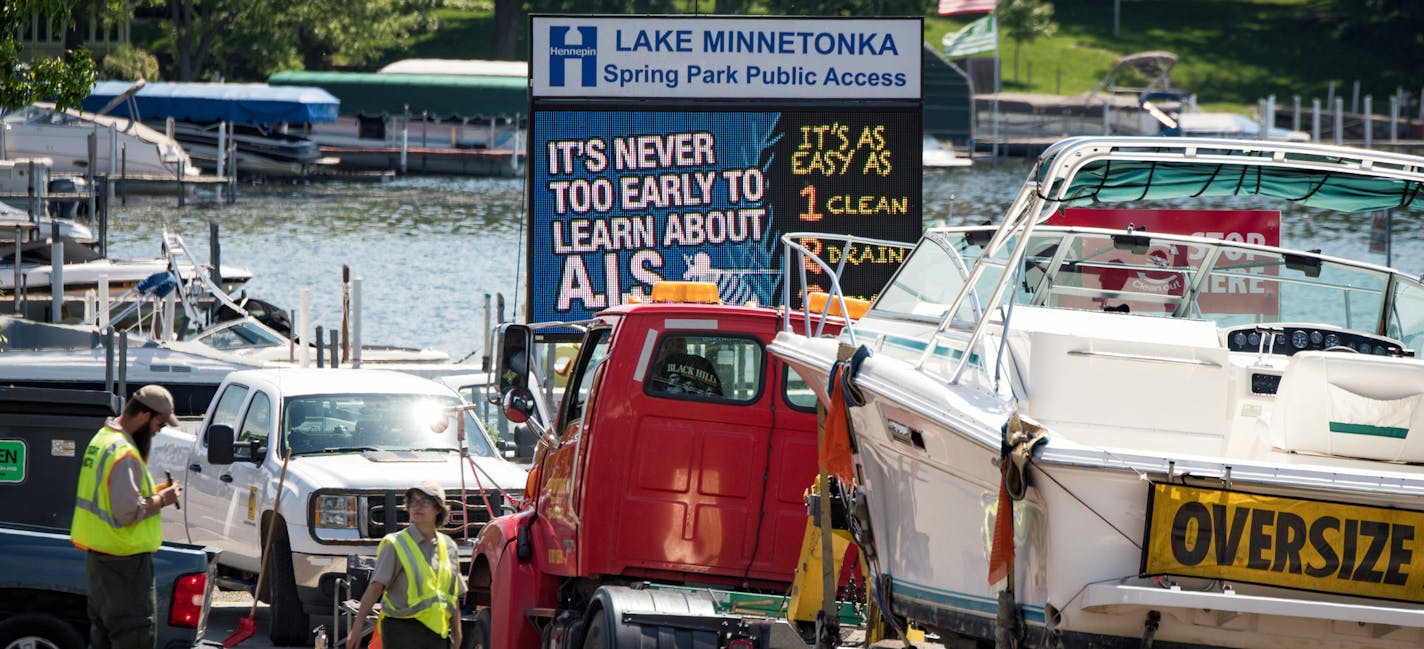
(214, 254)
(93, 163)
(122, 367)
(15, 299)
(1339, 120)
(303, 325)
(1394, 119)
(356, 322)
(345, 312)
(34, 193)
(1315, 120)
(56, 273)
(222, 157)
(108, 359)
(485, 356)
(103, 316)
(1369, 121)
(113, 162)
(405, 138)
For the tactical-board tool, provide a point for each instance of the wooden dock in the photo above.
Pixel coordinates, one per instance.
(429, 160)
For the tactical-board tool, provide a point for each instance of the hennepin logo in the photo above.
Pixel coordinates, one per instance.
(585, 52)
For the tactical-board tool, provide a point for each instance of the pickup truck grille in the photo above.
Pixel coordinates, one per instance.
(386, 513)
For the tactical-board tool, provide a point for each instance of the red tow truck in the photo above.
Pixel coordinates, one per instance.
(666, 504)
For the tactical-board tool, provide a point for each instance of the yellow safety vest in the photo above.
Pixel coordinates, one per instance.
(429, 591)
(94, 526)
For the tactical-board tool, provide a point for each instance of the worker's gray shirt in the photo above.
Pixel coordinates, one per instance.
(388, 568)
(125, 497)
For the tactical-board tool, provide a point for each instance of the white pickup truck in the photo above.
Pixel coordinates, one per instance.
(352, 442)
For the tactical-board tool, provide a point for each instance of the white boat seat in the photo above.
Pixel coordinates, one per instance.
(1351, 405)
(1124, 380)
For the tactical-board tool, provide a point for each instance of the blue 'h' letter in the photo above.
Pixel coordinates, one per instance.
(586, 53)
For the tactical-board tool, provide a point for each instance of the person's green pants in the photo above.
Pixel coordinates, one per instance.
(122, 601)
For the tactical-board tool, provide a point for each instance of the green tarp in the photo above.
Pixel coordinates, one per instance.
(438, 94)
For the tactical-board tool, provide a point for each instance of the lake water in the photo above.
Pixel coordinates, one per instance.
(428, 249)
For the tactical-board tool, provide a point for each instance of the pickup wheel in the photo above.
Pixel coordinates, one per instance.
(478, 635)
(38, 632)
(291, 626)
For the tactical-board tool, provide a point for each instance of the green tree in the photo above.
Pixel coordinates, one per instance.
(130, 63)
(253, 38)
(66, 80)
(851, 8)
(1397, 25)
(355, 32)
(1024, 21)
(197, 27)
(509, 18)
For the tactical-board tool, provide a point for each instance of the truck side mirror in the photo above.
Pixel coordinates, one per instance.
(518, 404)
(220, 444)
(515, 343)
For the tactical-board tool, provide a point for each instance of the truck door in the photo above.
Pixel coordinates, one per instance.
(558, 501)
(204, 495)
(234, 495)
(693, 469)
(791, 470)
(252, 487)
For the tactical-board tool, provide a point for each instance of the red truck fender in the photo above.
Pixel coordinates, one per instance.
(511, 585)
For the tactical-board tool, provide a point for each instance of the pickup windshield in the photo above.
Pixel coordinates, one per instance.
(336, 423)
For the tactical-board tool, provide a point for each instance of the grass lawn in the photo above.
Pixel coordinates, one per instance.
(1231, 52)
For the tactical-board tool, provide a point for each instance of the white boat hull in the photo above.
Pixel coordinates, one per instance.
(931, 497)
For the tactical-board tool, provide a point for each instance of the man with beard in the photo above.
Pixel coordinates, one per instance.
(116, 522)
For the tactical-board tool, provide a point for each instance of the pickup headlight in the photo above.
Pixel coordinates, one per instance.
(336, 512)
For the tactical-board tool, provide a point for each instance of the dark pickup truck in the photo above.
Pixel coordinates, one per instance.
(43, 591)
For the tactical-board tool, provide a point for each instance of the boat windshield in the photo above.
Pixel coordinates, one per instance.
(926, 284)
(241, 334)
(1228, 283)
(340, 423)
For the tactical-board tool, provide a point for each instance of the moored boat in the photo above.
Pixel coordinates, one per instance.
(124, 147)
(1206, 441)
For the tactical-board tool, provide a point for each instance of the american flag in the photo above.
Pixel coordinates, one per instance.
(951, 7)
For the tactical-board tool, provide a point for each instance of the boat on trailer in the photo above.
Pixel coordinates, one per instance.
(1203, 442)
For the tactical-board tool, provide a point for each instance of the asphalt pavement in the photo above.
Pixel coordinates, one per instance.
(228, 609)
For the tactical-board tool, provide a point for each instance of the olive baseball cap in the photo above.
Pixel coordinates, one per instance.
(436, 493)
(158, 399)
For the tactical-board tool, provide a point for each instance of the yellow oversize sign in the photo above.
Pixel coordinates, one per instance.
(1305, 544)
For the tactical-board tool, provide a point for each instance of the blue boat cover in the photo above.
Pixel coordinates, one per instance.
(243, 103)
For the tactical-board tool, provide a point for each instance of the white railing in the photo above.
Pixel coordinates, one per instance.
(798, 258)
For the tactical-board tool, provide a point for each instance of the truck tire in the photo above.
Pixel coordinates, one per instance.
(33, 631)
(478, 635)
(291, 626)
(598, 635)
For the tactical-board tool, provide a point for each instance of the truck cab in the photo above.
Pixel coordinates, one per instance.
(679, 455)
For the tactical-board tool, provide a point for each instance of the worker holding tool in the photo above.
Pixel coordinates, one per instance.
(116, 521)
(417, 578)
